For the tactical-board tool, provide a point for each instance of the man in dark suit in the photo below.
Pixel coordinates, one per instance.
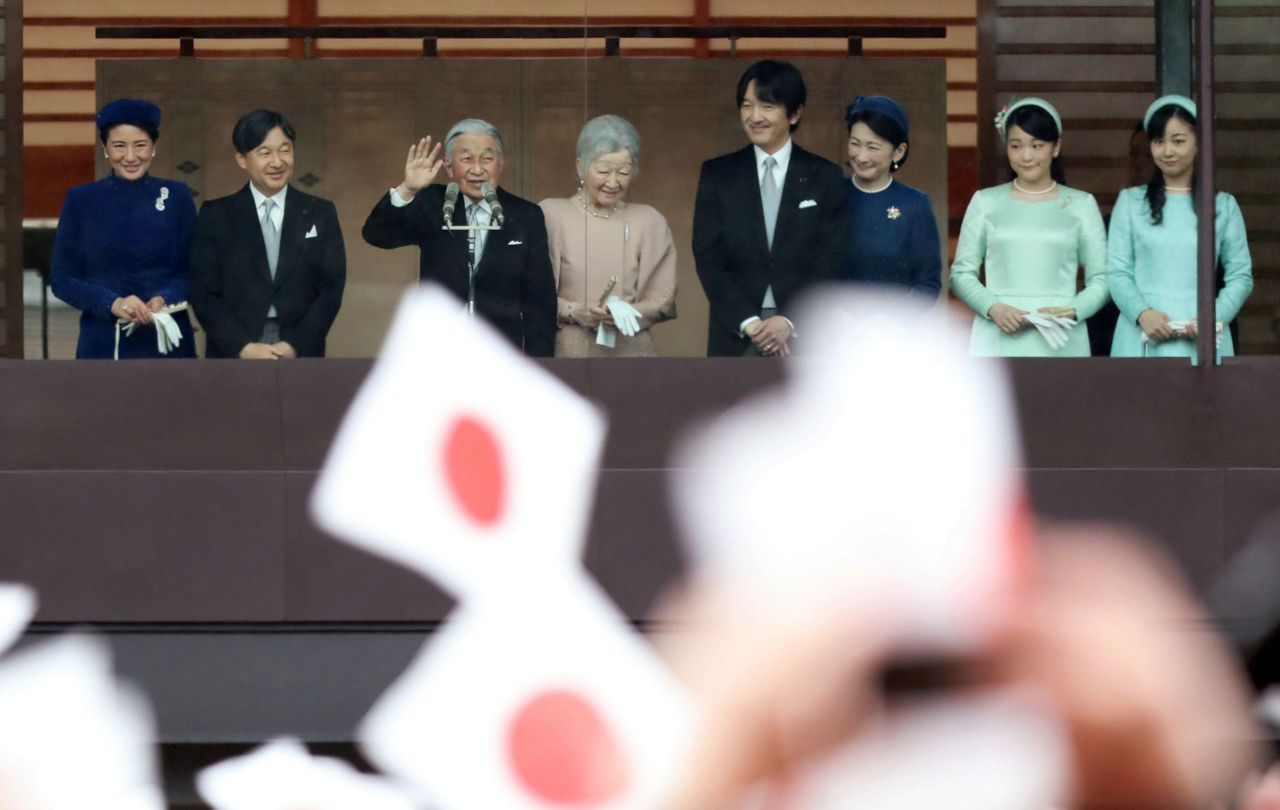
(513, 286)
(268, 264)
(768, 222)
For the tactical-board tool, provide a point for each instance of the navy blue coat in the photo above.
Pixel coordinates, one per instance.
(118, 238)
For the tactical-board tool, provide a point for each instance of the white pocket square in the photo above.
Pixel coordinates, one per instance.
(515, 242)
(311, 234)
(809, 204)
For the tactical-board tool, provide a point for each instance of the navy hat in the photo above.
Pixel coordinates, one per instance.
(129, 111)
(879, 104)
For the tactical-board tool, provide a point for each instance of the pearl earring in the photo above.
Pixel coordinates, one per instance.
(895, 165)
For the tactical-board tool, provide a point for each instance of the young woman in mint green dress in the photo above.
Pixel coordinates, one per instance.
(1151, 258)
(1030, 237)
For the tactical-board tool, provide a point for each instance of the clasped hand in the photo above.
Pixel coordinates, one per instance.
(131, 308)
(1155, 325)
(770, 336)
(268, 351)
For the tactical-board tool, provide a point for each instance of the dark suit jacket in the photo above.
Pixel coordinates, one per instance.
(515, 288)
(731, 250)
(231, 284)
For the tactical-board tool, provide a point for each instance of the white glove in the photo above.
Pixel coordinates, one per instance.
(168, 335)
(1180, 329)
(1053, 328)
(625, 316)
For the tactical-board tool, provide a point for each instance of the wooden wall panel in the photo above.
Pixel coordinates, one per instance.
(355, 119)
(62, 49)
(11, 180)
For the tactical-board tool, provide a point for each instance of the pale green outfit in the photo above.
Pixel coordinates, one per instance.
(1154, 267)
(1031, 253)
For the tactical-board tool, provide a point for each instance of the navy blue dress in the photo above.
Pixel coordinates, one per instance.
(893, 240)
(118, 238)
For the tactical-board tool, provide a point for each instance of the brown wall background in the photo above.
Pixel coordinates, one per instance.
(356, 118)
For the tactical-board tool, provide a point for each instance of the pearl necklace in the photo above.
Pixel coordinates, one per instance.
(1035, 193)
(1177, 188)
(869, 190)
(592, 211)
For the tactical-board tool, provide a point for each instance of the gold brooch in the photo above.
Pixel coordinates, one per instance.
(893, 212)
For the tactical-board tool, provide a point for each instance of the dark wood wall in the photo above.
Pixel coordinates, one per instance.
(356, 118)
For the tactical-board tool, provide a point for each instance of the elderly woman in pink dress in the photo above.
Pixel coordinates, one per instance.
(614, 261)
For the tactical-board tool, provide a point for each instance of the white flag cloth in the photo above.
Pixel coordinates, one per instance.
(282, 775)
(70, 736)
(459, 458)
(884, 471)
(17, 606)
(546, 699)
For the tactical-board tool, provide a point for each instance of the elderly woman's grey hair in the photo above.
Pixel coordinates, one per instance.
(470, 126)
(604, 134)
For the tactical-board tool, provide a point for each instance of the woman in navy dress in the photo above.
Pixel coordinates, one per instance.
(893, 236)
(120, 253)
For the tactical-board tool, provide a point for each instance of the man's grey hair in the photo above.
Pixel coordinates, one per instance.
(604, 134)
(470, 126)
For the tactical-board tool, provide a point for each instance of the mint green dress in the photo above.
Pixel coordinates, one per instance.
(1031, 253)
(1154, 267)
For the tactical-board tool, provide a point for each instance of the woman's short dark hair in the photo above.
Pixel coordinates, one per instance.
(153, 132)
(252, 129)
(884, 127)
(1039, 124)
(1155, 186)
(776, 83)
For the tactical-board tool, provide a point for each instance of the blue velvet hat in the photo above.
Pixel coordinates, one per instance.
(879, 104)
(129, 111)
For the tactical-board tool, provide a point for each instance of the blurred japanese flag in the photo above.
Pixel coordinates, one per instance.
(70, 736)
(459, 458)
(282, 775)
(885, 470)
(545, 698)
(17, 606)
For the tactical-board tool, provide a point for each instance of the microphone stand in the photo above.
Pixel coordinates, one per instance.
(471, 257)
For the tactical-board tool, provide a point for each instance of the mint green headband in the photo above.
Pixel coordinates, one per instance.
(1003, 115)
(1164, 101)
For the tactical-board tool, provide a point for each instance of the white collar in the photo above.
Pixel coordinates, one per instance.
(484, 204)
(259, 198)
(782, 157)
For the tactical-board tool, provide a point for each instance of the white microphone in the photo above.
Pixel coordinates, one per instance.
(491, 197)
(450, 201)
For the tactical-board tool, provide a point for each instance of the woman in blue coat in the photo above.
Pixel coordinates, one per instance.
(120, 254)
(893, 237)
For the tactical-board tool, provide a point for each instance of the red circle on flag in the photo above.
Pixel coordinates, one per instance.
(474, 470)
(563, 751)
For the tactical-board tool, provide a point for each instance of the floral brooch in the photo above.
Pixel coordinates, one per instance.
(893, 212)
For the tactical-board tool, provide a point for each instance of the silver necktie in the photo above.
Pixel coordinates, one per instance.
(770, 198)
(476, 215)
(270, 236)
